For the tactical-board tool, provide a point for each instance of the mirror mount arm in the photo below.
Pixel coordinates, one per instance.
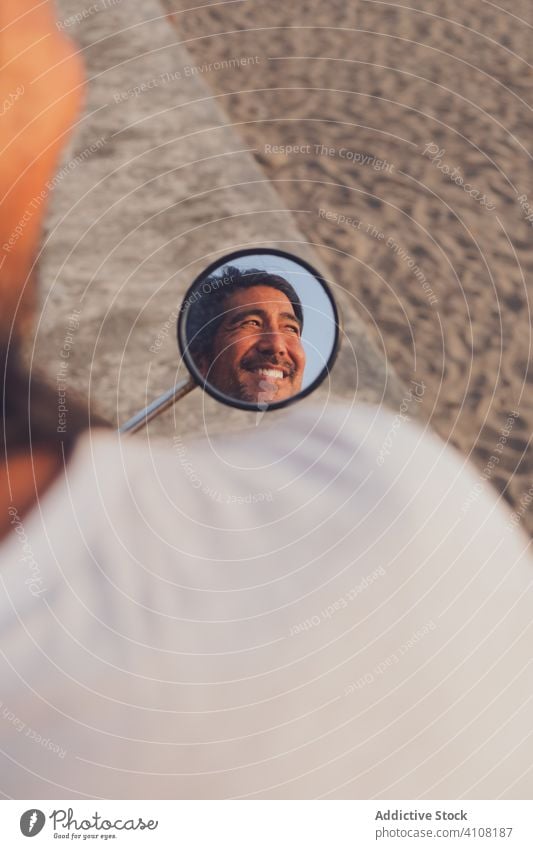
(164, 402)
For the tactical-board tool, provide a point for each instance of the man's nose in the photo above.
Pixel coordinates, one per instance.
(272, 343)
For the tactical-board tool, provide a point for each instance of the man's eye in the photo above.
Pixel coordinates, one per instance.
(251, 322)
(293, 329)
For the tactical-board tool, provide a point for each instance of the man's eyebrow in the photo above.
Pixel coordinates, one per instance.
(291, 316)
(238, 316)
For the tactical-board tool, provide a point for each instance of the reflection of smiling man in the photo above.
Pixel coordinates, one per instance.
(245, 335)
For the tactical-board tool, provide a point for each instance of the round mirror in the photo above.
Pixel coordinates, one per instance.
(259, 329)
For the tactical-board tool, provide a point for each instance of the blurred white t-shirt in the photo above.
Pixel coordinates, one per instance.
(294, 611)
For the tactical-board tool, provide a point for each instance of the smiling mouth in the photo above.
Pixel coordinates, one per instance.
(271, 381)
(269, 372)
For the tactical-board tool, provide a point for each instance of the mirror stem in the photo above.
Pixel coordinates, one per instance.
(164, 402)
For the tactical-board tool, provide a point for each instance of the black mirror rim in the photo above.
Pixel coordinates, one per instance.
(235, 402)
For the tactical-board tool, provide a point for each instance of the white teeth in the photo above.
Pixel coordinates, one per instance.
(271, 372)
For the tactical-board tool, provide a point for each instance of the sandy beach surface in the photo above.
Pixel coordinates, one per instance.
(389, 144)
(154, 186)
(400, 137)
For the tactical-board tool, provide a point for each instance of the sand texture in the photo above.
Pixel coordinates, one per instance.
(155, 185)
(388, 107)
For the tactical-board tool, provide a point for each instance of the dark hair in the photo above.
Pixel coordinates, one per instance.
(206, 303)
(30, 408)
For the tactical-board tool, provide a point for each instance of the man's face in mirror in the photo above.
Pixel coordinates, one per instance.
(257, 353)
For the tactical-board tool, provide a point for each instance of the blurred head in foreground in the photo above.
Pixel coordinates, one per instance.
(41, 87)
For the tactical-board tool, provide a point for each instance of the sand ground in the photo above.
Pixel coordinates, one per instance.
(154, 186)
(366, 116)
(388, 143)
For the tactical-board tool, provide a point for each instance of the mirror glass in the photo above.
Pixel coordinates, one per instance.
(259, 329)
